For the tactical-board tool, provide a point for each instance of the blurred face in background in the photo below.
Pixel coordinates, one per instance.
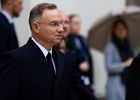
(17, 7)
(66, 26)
(14, 7)
(62, 45)
(121, 31)
(75, 25)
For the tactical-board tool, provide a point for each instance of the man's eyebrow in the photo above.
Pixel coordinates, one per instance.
(56, 21)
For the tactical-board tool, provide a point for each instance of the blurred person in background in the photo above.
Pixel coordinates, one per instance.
(118, 57)
(77, 89)
(133, 84)
(62, 45)
(8, 38)
(78, 46)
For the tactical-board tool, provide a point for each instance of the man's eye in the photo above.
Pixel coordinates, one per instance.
(54, 24)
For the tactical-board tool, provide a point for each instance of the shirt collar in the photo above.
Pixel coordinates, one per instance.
(44, 50)
(7, 15)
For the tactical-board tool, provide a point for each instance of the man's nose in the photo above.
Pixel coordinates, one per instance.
(60, 29)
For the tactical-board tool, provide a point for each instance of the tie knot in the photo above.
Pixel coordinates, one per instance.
(48, 55)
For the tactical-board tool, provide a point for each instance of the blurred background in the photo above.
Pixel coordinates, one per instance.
(96, 17)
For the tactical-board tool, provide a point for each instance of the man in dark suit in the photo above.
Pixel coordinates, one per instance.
(133, 84)
(78, 46)
(8, 39)
(36, 71)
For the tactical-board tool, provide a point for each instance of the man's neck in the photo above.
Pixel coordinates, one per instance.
(44, 44)
(8, 11)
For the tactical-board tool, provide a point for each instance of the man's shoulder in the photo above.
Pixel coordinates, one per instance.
(17, 53)
(2, 17)
(71, 36)
(3, 21)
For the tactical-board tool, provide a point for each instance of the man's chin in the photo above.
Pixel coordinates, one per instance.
(15, 14)
(57, 42)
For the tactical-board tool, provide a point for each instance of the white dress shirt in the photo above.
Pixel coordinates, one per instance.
(45, 52)
(8, 16)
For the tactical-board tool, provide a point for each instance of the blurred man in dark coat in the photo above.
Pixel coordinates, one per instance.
(133, 85)
(8, 38)
(79, 48)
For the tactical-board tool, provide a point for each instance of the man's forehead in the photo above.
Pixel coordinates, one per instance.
(52, 14)
(16, 0)
(64, 16)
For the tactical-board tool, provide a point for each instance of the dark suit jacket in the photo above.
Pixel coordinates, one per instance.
(24, 75)
(71, 46)
(77, 89)
(133, 85)
(8, 39)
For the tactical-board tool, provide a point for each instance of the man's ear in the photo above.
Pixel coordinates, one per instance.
(35, 27)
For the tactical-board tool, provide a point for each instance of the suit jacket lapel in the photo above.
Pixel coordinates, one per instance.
(38, 59)
(59, 63)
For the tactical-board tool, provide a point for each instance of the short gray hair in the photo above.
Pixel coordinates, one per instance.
(37, 11)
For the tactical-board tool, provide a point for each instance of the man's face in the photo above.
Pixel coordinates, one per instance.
(75, 25)
(50, 27)
(66, 26)
(17, 7)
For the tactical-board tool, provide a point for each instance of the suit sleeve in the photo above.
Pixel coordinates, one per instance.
(112, 66)
(9, 79)
(133, 85)
(83, 90)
